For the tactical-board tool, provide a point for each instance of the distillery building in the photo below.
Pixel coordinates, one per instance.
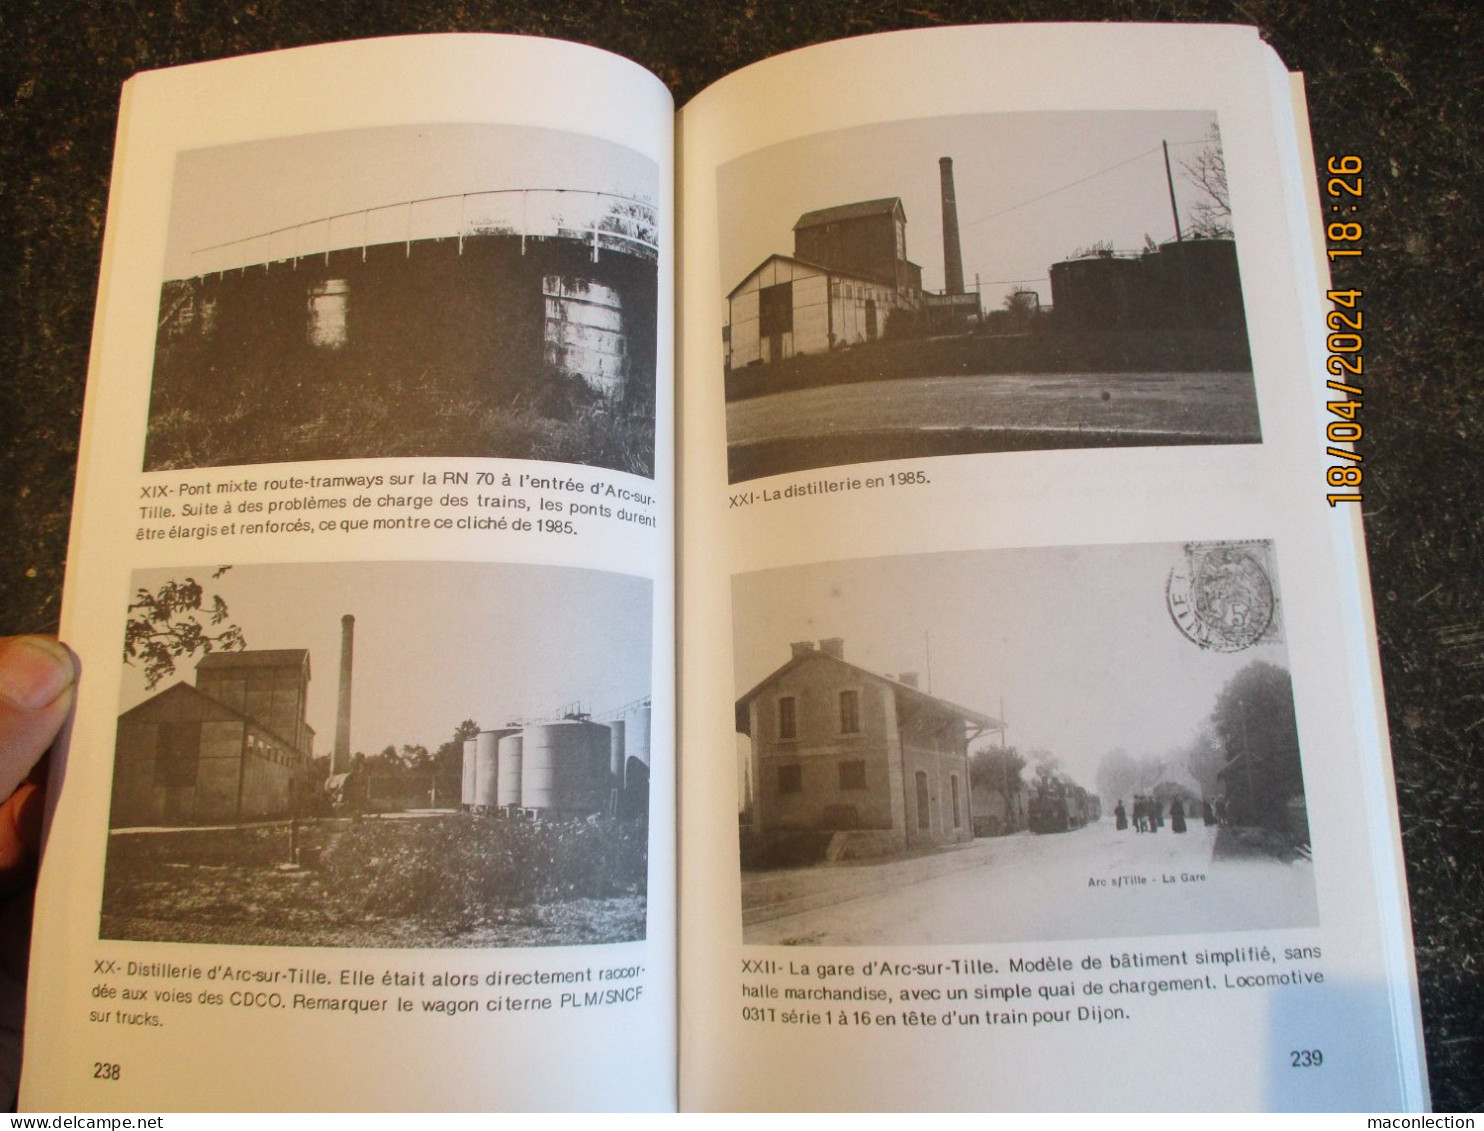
(234, 747)
(876, 759)
(848, 273)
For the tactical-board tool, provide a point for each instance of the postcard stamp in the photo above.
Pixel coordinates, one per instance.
(1223, 596)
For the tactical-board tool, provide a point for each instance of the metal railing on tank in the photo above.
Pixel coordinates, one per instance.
(601, 220)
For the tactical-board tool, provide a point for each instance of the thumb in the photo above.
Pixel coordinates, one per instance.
(37, 677)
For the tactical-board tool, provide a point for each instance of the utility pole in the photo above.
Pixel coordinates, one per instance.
(1170, 181)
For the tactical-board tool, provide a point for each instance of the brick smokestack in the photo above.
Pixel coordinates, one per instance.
(953, 260)
(340, 762)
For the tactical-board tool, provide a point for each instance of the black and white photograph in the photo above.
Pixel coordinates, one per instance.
(982, 283)
(1019, 745)
(382, 755)
(442, 290)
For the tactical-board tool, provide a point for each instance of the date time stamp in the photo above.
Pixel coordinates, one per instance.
(1344, 324)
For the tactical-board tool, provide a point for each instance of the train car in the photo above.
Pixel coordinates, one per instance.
(1062, 810)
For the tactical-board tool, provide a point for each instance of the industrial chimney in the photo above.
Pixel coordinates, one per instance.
(340, 762)
(953, 260)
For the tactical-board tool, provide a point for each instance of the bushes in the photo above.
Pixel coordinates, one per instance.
(465, 870)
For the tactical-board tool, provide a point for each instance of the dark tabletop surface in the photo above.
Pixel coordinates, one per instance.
(1400, 85)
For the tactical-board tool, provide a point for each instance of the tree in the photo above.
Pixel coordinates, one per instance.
(1022, 305)
(449, 759)
(1118, 775)
(1204, 758)
(1254, 722)
(997, 769)
(1211, 217)
(172, 623)
(635, 219)
(416, 759)
(387, 763)
(997, 789)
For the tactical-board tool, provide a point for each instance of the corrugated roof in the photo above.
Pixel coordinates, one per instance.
(177, 690)
(902, 691)
(254, 658)
(821, 268)
(850, 211)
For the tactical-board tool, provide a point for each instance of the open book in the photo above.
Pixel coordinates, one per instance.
(845, 597)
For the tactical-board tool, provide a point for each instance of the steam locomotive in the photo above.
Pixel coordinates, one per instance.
(1070, 807)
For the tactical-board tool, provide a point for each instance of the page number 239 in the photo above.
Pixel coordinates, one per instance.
(1305, 1058)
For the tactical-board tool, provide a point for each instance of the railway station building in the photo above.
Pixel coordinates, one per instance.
(873, 759)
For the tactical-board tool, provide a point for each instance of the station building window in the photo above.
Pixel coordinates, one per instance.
(790, 779)
(788, 719)
(850, 712)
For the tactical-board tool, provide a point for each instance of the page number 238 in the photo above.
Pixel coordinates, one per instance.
(1305, 1058)
(102, 1071)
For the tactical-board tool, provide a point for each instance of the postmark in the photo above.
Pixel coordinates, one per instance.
(1223, 596)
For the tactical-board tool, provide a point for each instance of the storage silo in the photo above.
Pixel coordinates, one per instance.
(636, 740)
(615, 751)
(466, 783)
(487, 767)
(564, 767)
(509, 760)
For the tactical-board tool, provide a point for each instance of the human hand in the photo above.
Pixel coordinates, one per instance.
(37, 679)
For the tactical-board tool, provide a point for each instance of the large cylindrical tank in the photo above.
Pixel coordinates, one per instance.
(466, 791)
(510, 759)
(487, 768)
(636, 740)
(564, 767)
(615, 751)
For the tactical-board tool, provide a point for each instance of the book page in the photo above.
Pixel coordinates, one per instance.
(1034, 750)
(369, 799)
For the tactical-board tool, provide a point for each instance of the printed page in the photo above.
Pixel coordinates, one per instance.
(1035, 754)
(369, 800)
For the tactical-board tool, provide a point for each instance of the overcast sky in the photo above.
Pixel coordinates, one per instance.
(1076, 642)
(233, 192)
(437, 643)
(1004, 165)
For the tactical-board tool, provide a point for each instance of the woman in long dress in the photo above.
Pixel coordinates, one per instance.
(1121, 815)
(1177, 816)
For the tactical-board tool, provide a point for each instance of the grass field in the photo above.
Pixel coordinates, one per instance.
(439, 881)
(930, 416)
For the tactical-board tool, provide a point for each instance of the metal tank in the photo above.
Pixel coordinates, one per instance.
(466, 791)
(636, 741)
(509, 760)
(565, 767)
(615, 751)
(486, 767)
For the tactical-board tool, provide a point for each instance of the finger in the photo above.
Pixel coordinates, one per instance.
(20, 833)
(37, 678)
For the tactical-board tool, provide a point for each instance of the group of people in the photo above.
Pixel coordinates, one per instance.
(1149, 815)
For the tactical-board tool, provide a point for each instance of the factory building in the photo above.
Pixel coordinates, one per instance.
(848, 273)
(235, 747)
(837, 747)
(789, 306)
(867, 238)
(568, 767)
